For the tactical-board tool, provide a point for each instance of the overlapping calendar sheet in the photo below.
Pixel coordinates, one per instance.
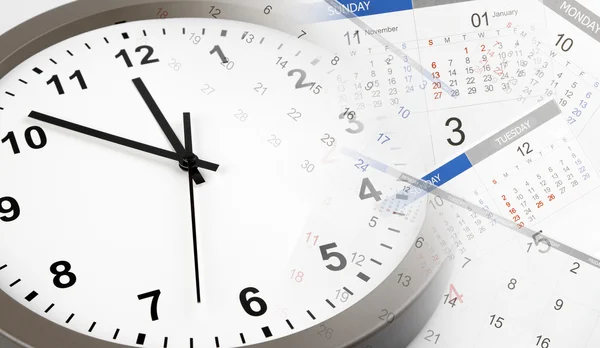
(500, 99)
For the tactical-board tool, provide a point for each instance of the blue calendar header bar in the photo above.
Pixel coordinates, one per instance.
(368, 7)
(449, 171)
(328, 10)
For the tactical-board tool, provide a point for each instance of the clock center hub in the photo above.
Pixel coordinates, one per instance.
(188, 161)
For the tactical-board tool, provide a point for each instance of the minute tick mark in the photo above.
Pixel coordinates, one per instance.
(141, 338)
(267, 332)
(32, 295)
(363, 277)
(376, 262)
(3, 267)
(15, 282)
(70, 317)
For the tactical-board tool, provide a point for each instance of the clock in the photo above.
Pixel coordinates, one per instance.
(175, 174)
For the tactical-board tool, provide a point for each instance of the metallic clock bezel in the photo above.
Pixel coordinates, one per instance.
(28, 329)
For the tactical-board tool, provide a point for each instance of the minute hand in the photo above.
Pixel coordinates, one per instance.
(117, 140)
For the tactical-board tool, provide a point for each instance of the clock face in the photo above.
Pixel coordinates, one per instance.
(159, 248)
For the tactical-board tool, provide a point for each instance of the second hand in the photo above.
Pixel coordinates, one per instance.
(190, 158)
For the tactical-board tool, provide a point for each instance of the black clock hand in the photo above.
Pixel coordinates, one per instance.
(118, 140)
(187, 129)
(158, 115)
(164, 125)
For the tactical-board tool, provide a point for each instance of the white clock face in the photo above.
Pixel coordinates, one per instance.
(98, 237)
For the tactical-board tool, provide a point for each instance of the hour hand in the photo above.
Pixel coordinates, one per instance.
(189, 161)
(158, 115)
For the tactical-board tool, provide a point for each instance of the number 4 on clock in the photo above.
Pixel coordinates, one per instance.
(372, 192)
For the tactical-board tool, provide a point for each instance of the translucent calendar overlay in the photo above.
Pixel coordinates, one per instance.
(404, 64)
(501, 99)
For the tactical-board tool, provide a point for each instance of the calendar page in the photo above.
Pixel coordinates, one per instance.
(500, 99)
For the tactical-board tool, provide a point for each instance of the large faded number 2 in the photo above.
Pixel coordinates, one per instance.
(301, 84)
